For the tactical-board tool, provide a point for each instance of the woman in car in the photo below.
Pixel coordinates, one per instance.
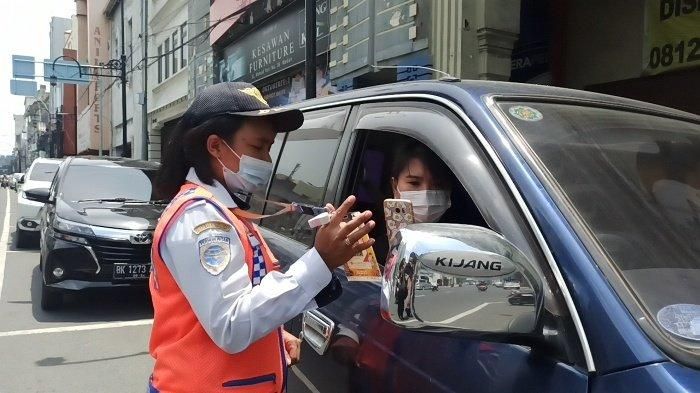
(420, 176)
(219, 300)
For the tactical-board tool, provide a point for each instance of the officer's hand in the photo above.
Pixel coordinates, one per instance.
(336, 242)
(292, 348)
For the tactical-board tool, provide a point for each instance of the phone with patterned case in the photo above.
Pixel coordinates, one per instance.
(398, 213)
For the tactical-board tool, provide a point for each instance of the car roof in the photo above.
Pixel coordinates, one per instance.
(477, 90)
(112, 161)
(42, 160)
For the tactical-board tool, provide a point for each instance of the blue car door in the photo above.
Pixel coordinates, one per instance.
(350, 347)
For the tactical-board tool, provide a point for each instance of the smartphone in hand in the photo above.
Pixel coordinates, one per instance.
(398, 214)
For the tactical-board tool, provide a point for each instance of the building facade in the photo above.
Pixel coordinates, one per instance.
(168, 70)
(133, 49)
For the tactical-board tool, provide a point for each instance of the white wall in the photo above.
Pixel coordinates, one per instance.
(604, 41)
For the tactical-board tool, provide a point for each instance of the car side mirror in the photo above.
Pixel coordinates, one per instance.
(463, 263)
(21, 180)
(38, 195)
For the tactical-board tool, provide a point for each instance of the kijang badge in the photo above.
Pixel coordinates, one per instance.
(215, 253)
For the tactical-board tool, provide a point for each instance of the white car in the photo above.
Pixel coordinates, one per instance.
(511, 285)
(39, 175)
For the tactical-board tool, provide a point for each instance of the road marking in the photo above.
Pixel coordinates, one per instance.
(420, 295)
(3, 239)
(78, 328)
(468, 312)
(304, 379)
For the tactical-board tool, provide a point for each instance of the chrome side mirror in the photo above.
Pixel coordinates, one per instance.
(460, 278)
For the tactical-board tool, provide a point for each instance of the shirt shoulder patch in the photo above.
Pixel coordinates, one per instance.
(212, 225)
(214, 253)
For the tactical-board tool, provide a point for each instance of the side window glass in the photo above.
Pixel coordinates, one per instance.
(257, 202)
(303, 169)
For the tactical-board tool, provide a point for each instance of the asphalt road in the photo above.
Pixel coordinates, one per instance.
(97, 342)
(467, 307)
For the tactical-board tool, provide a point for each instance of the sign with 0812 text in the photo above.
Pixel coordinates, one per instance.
(672, 35)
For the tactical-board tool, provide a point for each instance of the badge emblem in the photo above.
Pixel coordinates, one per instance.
(215, 253)
(255, 93)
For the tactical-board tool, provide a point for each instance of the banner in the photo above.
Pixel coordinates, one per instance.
(672, 35)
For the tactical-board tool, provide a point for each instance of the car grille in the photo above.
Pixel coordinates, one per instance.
(111, 252)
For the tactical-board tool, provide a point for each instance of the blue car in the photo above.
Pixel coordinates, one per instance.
(590, 202)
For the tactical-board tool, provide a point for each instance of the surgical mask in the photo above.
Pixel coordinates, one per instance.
(428, 205)
(252, 175)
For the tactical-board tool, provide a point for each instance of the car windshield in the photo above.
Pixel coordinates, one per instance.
(634, 181)
(43, 171)
(95, 182)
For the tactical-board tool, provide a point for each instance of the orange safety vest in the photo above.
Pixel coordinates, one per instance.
(186, 359)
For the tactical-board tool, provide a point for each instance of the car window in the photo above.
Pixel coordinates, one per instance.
(302, 172)
(84, 182)
(371, 181)
(43, 171)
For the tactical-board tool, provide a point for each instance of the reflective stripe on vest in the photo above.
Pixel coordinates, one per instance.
(186, 359)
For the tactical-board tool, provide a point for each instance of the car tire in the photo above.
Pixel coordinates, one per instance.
(22, 238)
(51, 299)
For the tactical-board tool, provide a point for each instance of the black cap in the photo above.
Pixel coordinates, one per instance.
(239, 99)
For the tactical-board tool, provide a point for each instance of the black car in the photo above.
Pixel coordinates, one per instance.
(97, 226)
(519, 298)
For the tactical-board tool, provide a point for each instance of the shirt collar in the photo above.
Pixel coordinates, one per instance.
(217, 189)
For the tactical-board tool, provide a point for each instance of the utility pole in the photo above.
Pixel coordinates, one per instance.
(310, 64)
(144, 108)
(123, 78)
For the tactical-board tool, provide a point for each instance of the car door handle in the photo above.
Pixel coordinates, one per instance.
(317, 330)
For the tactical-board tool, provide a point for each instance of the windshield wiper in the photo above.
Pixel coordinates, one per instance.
(123, 200)
(112, 200)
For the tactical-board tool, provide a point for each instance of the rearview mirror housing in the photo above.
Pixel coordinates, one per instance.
(38, 195)
(461, 279)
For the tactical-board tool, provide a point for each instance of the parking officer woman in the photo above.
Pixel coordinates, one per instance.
(219, 299)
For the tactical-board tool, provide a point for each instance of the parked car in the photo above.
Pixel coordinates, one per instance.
(426, 285)
(39, 175)
(555, 184)
(15, 180)
(97, 226)
(498, 284)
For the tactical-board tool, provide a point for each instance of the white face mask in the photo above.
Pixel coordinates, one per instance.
(252, 175)
(428, 205)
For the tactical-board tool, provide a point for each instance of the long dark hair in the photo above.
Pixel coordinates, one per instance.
(187, 148)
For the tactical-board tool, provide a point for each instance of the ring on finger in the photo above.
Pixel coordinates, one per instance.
(347, 241)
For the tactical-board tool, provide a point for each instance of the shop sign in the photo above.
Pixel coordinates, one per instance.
(672, 35)
(278, 45)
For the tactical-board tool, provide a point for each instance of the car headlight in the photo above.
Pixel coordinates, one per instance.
(71, 231)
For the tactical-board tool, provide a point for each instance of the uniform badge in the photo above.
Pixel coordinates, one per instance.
(215, 253)
(212, 225)
(255, 93)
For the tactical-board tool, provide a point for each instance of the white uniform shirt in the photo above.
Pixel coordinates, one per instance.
(233, 312)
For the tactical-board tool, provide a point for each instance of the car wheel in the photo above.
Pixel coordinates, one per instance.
(51, 299)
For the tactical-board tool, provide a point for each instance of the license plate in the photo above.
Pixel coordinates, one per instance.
(130, 271)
